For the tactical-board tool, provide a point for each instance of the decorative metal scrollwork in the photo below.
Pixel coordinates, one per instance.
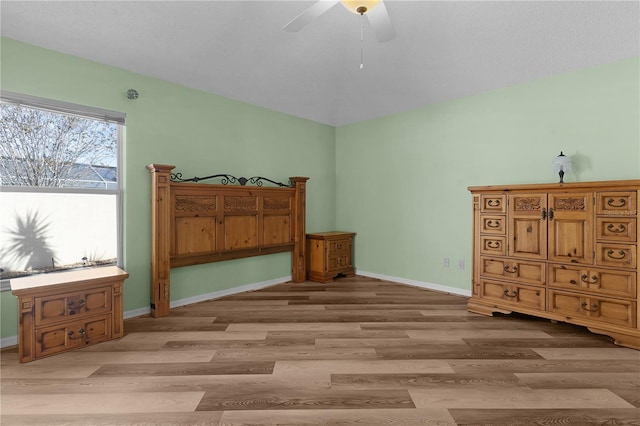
(226, 179)
(493, 244)
(493, 224)
(551, 214)
(544, 214)
(621, 254)
(612, 203)
(616, 230)
(593, 308)
(585, 279)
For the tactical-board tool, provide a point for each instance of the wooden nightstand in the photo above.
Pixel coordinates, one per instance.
(68, 310)
(329, 254)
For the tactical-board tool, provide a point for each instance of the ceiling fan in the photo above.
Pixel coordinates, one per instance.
(374, 10)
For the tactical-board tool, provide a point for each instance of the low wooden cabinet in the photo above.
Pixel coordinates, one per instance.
(67, 310)
(329, 254)
(567, 252)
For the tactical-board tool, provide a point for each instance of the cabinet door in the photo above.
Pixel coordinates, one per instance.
(527, 233)
(570, 228)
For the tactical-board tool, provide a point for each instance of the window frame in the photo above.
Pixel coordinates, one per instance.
(87, 112)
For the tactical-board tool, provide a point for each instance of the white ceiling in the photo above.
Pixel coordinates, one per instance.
(443, 49)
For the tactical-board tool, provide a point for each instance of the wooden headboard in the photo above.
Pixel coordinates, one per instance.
(193, 223)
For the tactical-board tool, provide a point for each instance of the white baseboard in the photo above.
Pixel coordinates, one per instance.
(8, 341)
(214, 295)
(414, 283)
(13, 340)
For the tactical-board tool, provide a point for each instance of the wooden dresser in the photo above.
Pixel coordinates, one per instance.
(66, 310)
(567, 252)
(329, 254)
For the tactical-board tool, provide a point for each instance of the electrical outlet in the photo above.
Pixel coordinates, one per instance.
(445, 262)
(460, 263)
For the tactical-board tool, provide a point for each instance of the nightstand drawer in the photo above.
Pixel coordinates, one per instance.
(339, 246)
(60, 307)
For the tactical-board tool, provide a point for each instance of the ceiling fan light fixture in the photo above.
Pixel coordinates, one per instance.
(359, 7)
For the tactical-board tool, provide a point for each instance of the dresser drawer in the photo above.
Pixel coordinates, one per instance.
(57, 338)
(603, 282)
(513, 294)
(339, 246)
(616, 229)
(493, 224)
(617, 203)
(521, 271)
(493, 203)
(60, 307)
(338, 262)
(603, 310)
(616, 255)
(493, 245)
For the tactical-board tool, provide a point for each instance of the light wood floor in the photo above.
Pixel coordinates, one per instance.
(355, 351)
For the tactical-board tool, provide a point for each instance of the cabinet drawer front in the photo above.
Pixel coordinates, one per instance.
(611, 311)
(618, 255)
(60, 307)
(338, 262)
(513, 294)
(493, 224)
(618, 203)
(513, 270)
(602, 282)
(493, 245)
(493, 203)
(339, 246)
(616, 229)
(58, 338)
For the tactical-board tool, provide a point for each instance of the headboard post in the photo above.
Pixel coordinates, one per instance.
(160, 238)
(298, 263)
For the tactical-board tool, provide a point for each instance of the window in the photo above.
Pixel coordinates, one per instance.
(60, 186)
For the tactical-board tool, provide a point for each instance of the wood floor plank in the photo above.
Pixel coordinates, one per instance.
(577, 417)
(354, 417)
(430, 381)
(517, 398)
(81, 403)
(227, 398)
(181, 369)
(589, 353)
(205, 418)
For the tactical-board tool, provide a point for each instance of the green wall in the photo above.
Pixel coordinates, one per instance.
(401, 180)
(198, 132)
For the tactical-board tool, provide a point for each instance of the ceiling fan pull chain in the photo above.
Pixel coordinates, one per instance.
(361, 40)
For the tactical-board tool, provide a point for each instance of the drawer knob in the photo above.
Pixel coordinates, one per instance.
(594, 307)
(612, 203)
(621, 254)
(511, 270)
(616, 230)
(585, 279)
(493, 244)
(508, 293)
(81, 336)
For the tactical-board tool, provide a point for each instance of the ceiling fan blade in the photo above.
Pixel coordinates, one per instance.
(381, 23)
(314, 11)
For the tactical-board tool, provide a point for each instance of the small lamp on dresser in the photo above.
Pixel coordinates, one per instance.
(561, 164)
